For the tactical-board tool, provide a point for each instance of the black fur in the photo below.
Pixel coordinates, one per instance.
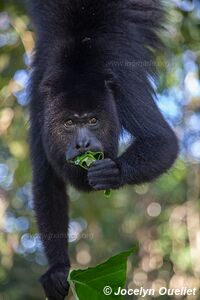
(92, 56)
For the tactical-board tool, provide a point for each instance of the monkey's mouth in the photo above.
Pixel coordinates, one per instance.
(85, 160)
(71, 155)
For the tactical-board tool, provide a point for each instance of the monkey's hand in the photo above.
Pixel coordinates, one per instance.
(54, 282)
(104, 174)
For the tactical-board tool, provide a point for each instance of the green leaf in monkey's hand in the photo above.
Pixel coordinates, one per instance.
(90, 283)
(85, 160)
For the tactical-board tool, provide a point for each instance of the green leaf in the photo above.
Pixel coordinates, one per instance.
(107, 193)
(90, 283)
(85, 160)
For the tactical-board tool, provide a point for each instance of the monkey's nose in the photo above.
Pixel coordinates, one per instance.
(83, 144)
(79, 147)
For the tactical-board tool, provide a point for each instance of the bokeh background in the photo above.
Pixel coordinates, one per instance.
(164, 217)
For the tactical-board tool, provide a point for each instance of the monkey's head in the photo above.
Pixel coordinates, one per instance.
(78, 117)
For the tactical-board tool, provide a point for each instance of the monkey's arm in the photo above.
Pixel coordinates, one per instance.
(155, 147)
(50, 203)
(152, 153)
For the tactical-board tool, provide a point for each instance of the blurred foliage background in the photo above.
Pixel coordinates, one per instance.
(163, 216)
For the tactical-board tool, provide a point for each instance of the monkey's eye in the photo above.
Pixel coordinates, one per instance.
(69, 123)
(92, 121)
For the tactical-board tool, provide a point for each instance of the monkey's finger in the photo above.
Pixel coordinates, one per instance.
(100, 187)
(108, 181)
(102, 164)
(103, 173)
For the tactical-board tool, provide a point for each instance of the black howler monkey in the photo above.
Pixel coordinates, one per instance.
(91, 78)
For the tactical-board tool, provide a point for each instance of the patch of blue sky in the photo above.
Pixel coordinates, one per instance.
(193, 122)
(21, 77)
(4, 21)
(195, 150)
(28, 242)
(169, 105)
(8, 38)
(22, 97)
(185, 5)
(191, 66)
(24, 195)
(21, 224)
(125, 141)
(75, 229)
(14, 224)
(6, 177)
(27, 58)
(192, 84)
(10, 223)
(4, 172)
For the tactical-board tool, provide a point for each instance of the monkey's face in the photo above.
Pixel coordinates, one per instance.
(73, 126)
